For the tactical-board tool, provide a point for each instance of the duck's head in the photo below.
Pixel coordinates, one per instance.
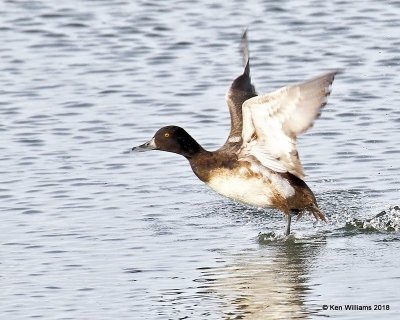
(172, 139)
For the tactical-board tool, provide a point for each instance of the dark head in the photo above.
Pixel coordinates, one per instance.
(172, 139)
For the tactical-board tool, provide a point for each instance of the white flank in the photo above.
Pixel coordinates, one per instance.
(254, 191)
(250, 191)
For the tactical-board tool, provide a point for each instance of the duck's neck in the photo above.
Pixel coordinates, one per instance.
(201, 163)
(190, 148)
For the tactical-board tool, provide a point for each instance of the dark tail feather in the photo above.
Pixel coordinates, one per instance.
(317, 214)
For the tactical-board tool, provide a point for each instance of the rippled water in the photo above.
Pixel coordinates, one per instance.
(90, 231)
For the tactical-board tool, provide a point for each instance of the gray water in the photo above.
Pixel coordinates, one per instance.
(90, 231)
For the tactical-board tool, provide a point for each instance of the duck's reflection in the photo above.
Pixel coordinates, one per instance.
(268, 283)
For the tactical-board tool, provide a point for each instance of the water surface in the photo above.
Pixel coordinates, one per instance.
(90, 231)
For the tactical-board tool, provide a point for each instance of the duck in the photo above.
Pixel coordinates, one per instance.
(258, 164)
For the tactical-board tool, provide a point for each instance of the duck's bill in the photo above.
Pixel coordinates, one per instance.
(150, 145)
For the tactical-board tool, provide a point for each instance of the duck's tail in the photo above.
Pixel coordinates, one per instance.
(318, 215)
(312, 210)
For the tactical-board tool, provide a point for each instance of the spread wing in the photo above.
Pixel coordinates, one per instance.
(240, 90)
(272, 121)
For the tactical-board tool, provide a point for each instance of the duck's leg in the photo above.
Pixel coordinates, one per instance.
(289, 220)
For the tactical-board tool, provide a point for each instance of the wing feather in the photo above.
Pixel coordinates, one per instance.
(240, 90)
(271, 122)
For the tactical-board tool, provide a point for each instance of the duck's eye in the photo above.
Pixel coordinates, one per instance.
(166, 135)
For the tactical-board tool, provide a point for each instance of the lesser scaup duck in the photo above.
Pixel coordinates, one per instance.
(258, 164)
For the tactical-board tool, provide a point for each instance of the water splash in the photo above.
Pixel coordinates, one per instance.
(269, 237)
(387, 220)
